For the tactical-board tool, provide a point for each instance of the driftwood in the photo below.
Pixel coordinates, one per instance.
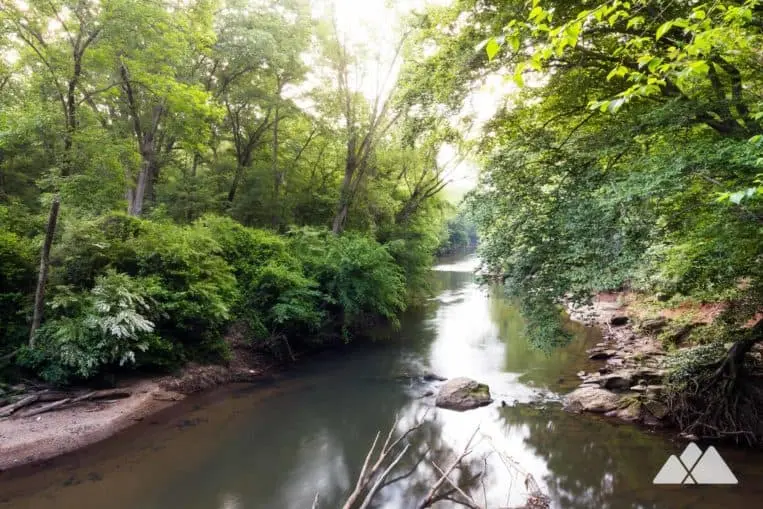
(374, 477)
(25, 401)
(58, 401)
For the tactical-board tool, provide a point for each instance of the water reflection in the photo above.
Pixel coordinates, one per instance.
(275, 448)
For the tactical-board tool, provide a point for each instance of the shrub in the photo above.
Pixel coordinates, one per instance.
(275, 297)
(195, 286)
(358, 277)
(17, 282)
(104, 327)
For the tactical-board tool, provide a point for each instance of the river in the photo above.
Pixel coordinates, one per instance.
(274, 446)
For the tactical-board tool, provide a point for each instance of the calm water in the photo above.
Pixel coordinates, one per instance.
(276, 446)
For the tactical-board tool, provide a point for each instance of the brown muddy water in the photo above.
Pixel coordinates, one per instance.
(274, 446)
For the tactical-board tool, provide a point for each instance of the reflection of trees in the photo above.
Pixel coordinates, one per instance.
(591, 465)
(540, 367)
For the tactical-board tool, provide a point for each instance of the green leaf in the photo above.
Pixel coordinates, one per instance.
(492, 48)
(736, 198)
(663, 29)
(617, 72)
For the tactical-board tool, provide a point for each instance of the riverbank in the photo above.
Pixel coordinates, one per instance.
(28, 439)
(629, 384)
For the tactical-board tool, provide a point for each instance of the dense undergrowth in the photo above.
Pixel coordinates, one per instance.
(129, 293)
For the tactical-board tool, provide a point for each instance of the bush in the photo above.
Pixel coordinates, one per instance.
(358, 277)
(195, 286)
(276, 299)
(17, 283)
(104, 327)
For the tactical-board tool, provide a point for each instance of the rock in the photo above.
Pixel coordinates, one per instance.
(662, 297)
(655, 325)
(677, 336)
(617, 381)
(649, 389)
(592, 399)
(650, 375)
(650, 420)
(463, 394)
(618, 320)
(658, 409)
(581, 374)
(573, 406)
(630, 413)
(597, 355)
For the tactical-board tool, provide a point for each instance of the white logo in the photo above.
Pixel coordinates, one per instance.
(694, 467)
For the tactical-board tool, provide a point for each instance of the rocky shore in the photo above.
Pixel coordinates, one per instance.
(628, 385)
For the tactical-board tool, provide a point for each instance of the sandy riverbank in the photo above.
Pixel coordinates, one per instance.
(25, 440)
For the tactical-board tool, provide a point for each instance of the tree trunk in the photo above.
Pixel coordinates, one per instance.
(42, 279)
(236, 180)
(345, 194)
(277, 175)
(136, 207)
(340, 218)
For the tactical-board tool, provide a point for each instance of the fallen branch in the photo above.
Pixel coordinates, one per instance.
(70, 401)
(8, 410)
(432, 497)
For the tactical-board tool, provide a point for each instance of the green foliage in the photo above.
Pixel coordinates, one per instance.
(276, 298)
(628, 152)
(17, 282)
(186, 117)
(460, 234)
(357, 276)
(104, 327)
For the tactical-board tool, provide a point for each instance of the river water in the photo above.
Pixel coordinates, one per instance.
(277, 445)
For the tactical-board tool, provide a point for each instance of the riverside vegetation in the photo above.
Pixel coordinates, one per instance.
(183, 169)
(229, 166)
(629, 157)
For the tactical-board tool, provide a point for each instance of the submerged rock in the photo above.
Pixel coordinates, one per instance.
(592, 399)
(463, 394)
(618, 320)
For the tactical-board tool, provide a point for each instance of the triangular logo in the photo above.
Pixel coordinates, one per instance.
(672, 472)
(711, 469)
(694, 467)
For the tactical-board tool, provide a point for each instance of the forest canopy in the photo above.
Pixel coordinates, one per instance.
(201, 164)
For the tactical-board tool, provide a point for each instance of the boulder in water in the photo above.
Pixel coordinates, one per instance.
(463, 394)
(591, 399)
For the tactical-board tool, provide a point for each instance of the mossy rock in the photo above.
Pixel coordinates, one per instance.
(463, 394)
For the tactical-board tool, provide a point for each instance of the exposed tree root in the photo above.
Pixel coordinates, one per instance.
(723, 399)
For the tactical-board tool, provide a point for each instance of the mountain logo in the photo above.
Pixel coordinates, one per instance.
(695, 467)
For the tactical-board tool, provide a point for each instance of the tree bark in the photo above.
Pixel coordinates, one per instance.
(277, 175)
(42, 279)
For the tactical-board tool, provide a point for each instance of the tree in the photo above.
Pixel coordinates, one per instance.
(614, 162)
(364, 122)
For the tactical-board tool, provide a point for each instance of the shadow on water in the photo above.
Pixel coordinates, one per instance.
(276, 446)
